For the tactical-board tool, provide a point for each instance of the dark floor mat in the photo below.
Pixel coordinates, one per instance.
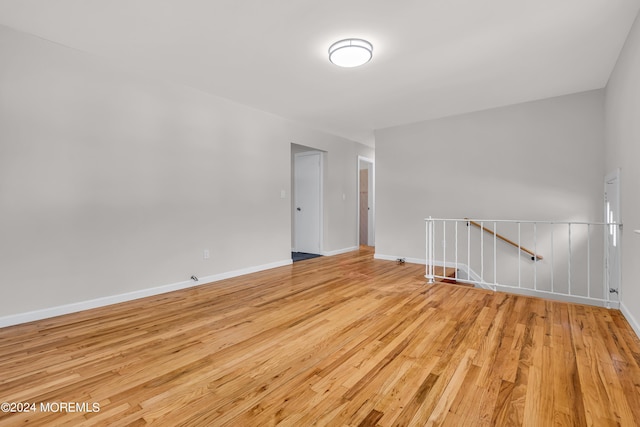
(301, 256)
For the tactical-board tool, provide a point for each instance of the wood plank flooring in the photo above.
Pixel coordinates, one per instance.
(339, 341)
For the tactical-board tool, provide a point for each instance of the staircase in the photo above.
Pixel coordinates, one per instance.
(448, 274)
(581, 263)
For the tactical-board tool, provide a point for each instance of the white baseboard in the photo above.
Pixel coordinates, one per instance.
(243, 271)
(46, 313)
(395, 258)
(632, 320)
(576, 299)
(340, 251)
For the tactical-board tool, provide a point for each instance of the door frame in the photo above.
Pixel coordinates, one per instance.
(372, 200)
(609, 178)
(320, 155)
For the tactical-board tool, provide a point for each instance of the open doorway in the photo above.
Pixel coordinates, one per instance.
(366, 202)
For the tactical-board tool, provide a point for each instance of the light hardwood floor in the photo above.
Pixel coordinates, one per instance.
(344, 340)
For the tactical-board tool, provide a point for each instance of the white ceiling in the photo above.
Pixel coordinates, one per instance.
(432, 58)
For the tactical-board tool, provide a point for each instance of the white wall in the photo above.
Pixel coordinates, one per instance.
(539, 160)
(623, 151)
(112, 183)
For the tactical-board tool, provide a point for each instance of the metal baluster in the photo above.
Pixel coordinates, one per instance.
(535, 260)
(569, 275)
(426, 249)
(430, 250)
(519, 257)
(588, 260)
(607, 265)
(456, 248)
(433, 250)
(482, 252)
(444, 248)
(469, 250)
(552, 256)
(495, 255)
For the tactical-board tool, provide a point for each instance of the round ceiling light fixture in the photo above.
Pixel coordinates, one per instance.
(350, 53)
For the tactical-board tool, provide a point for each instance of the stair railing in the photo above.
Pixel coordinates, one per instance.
(534, 256)
(582, 265)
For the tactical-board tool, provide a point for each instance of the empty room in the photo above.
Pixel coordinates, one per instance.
(297, 213)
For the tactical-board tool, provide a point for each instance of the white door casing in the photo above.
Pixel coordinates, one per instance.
(366, 163)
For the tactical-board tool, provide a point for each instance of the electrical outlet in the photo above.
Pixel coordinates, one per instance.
(206, 254)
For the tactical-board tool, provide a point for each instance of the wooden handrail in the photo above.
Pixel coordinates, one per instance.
(534, 256)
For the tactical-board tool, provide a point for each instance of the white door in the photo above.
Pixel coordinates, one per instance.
(612, 241)
(307, 205)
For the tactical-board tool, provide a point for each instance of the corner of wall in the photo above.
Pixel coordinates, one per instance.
(630, 318)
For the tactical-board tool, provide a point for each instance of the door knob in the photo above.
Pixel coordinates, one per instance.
(298, 209)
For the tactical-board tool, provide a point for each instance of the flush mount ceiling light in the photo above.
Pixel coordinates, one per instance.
(350, 52)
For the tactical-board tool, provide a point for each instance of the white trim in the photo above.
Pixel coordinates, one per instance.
(632, 320)
(340, 251)
(556, 296)
(462, 267)
(46, 313)
(395, 258)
